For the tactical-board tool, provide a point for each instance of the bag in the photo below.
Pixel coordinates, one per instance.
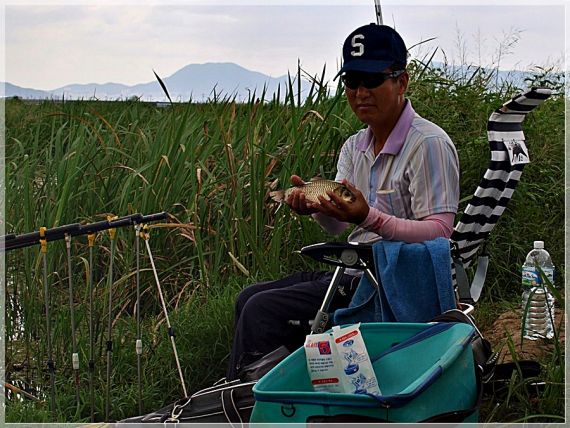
(257, 369)
(493, 376)
(483, 356)
(225, 401)
(425, 372)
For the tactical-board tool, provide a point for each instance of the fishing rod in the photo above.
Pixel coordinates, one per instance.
(378, 9)
(12, 241)
(20, 391)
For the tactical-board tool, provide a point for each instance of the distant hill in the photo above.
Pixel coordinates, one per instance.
(515, 77)
(198, 82)
(195, 81)
(9, 90)
(93, 90)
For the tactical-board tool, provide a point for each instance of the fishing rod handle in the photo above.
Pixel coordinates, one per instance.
(50, 234)
(8, 237)
(154, 217)
(93, 227)
(126, 221)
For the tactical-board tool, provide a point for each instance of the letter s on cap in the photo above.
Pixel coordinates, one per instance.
(357, 45)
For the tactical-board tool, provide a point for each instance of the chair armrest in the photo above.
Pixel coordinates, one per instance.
(345, 254)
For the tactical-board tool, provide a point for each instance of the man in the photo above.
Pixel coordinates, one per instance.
(403, 170)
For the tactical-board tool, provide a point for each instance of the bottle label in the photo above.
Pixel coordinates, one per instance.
(531, 276)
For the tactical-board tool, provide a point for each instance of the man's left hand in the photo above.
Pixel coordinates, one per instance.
(351, 212)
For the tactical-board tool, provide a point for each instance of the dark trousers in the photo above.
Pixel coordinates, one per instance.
(263, 312)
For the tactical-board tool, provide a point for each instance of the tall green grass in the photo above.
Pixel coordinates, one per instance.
(211, 167)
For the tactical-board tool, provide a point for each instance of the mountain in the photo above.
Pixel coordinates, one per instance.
(93, 90)
(198, 82)
(195, 81)
(497, 77)
(9, 90)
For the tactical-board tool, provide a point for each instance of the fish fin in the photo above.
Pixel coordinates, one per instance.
(316, 179)
(277, 195)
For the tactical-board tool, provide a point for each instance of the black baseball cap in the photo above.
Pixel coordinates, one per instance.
(373, 48)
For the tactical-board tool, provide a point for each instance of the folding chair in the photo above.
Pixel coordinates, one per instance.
(508, 157)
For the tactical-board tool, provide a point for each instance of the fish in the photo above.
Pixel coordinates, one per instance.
(315, 188)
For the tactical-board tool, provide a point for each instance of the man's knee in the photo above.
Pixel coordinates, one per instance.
(246, 294)
(241, 300)
(258, 304)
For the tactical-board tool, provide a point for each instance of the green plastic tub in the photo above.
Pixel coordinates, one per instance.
(425, 372)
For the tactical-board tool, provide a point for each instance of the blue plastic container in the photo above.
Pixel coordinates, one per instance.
(423, 370)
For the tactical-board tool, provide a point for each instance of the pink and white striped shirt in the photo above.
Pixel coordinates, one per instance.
(414, 177)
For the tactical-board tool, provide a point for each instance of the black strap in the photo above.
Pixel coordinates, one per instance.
(498, 383)
(463, 288)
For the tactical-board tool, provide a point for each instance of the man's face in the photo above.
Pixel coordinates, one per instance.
(374, 104)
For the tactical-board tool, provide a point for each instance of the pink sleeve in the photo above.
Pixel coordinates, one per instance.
(400, 229)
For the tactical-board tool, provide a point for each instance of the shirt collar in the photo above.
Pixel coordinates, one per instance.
(398, 135)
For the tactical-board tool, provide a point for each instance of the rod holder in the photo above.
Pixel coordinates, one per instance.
(13, 242)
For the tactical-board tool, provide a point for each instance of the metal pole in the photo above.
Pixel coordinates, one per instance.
(110, 324)
(322, 317)
(138, 345)
(50, 363)
(378, 9)
(146, 237)
(91, 240)
(74, 354)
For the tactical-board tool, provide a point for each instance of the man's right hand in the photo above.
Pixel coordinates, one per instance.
(297, 200)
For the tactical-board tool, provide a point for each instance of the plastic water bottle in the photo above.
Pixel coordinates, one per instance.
(540, 312)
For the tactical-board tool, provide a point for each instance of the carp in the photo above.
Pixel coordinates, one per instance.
(315, 188)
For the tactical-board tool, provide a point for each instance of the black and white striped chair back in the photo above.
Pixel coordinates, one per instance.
(509, 155)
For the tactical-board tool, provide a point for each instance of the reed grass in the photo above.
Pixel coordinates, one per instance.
(211, 166)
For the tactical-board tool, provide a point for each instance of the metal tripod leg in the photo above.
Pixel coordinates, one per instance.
(322, 317)
(371, 278)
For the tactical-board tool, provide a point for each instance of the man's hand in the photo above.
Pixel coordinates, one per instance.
(352, 212)
(297, 200)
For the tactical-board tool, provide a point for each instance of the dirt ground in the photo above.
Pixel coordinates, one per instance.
(510, 322)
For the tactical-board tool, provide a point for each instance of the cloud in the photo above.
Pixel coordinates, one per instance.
(50, 46)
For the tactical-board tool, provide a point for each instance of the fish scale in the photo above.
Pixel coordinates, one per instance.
(315, 188)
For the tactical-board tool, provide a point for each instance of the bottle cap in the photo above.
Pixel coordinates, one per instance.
(539, 245)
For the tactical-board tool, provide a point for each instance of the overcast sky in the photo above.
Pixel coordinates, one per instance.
(53, 43)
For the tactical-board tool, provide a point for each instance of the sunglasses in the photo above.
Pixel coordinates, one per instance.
(353, 80)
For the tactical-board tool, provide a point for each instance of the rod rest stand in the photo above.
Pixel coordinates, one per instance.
(12, 241)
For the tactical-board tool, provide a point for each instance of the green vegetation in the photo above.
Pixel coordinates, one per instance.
(211, 167)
